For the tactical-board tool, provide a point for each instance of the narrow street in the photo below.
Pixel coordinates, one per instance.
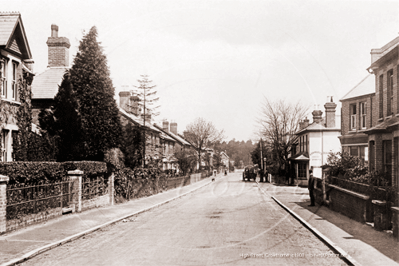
(229, 222)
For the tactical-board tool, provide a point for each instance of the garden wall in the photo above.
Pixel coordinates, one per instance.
(351, 204)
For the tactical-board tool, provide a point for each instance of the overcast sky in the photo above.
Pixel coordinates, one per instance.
(219, 59)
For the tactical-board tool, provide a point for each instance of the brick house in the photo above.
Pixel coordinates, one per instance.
(314, 142)
(356, 118)
(383, 136)
(45, 86)
(130, 113)
(15, 63)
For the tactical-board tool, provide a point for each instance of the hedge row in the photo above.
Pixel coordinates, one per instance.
(33, 173)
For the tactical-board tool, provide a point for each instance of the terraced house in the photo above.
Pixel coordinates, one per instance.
(383, 136)
(15, 70)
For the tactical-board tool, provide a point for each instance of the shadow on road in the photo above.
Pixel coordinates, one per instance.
(382, 241)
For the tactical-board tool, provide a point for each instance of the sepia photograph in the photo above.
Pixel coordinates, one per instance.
(199, 132)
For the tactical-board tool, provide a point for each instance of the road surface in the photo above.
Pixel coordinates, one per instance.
(229, 222)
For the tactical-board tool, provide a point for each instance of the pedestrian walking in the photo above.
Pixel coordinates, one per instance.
(311, 187)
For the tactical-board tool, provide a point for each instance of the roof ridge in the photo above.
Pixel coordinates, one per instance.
(9, 13)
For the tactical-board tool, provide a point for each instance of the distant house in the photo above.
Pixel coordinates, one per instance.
(15, 65)
(130, 113)
(178, 144)
(45, 86)
(314, 142)
(356, 118)
(225, 159)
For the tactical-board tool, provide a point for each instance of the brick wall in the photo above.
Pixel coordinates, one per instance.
(33, 219)
(95, 202)
(351, 204)
(346, 115)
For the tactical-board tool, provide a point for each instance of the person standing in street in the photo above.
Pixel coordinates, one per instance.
(311, 187)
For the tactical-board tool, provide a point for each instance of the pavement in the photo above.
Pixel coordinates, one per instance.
(20, 245)
(360, 243)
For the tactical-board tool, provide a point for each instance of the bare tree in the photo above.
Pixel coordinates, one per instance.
(202, 134)
(278, 123)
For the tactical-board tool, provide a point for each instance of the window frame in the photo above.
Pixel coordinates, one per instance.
(4, 73)
(363, 115)
(353, 113)
(14, 80)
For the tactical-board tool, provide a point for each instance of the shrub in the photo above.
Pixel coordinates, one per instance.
(33, 173)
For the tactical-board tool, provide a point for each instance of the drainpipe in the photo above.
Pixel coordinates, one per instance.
(323, 179)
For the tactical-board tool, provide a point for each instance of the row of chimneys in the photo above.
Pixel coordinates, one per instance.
(317, 115)
(129, 103)
(173, 127)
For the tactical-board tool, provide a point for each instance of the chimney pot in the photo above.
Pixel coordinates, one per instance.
(317, 116)
(54, 30)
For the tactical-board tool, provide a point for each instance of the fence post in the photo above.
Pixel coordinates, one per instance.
(76, 176)
(3, 202)
(111, 179)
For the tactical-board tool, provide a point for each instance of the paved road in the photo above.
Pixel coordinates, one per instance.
(229, 222)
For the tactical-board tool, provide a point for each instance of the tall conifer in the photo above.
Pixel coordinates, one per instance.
(99, 115)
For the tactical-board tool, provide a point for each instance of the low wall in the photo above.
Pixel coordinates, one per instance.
(33, 219)
(195, 178)
(351, 204)
(95, 202)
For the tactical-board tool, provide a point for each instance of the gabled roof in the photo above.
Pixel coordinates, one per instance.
(137, 120)
(45, 85)
(178, 138)
(302, 156)
(364, 87)
(12, 34)
(317, 127)
(164, 136)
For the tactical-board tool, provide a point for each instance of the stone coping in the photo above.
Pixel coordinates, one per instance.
(379, 202)
(4, 178)
(355, 194)
(395, 209)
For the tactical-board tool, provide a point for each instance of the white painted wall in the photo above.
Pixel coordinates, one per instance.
(320, 145)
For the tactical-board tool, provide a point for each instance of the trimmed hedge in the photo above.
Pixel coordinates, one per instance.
(33, 173)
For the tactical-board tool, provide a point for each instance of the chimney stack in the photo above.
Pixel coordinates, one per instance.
(165, 126)
(124, 97)
(58, 49)
(173, 128)
(330, 112)
(305, 122)
(317, 116)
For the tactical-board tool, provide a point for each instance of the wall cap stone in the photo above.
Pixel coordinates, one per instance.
(75, 172)
(379, 202)
(4, 178)
(358, 195)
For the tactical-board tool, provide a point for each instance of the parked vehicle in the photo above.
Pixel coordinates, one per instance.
(250, 172)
